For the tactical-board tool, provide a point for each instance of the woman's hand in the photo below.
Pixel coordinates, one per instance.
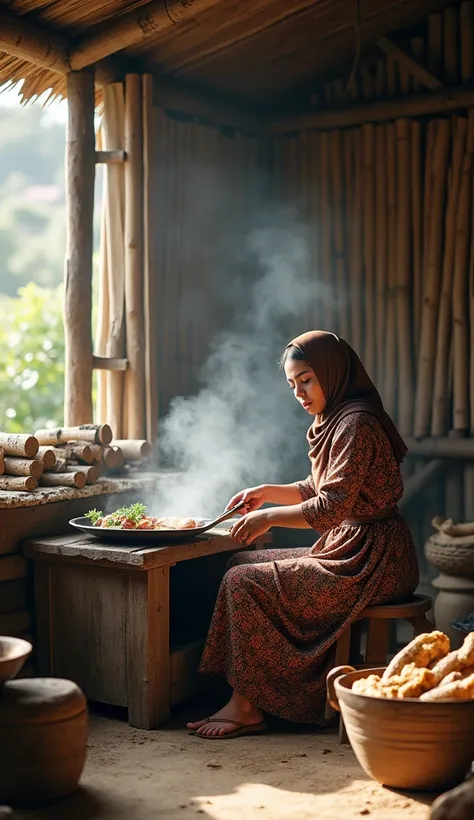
(250, 526)
(253, 497)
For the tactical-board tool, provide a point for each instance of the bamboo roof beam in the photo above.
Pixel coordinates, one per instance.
(415, 68)
(30, 42)
(135, 27)
(440, 101)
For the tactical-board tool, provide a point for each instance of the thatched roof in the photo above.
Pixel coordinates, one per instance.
(258, 52)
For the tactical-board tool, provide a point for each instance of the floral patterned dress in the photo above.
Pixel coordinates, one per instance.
(279, 612)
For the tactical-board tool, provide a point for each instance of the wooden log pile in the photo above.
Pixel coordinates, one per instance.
(67, 457)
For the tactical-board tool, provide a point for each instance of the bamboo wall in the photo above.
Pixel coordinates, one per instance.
(209, 182)
(391, 218)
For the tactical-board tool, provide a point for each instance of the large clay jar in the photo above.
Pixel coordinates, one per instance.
(451, 550)
(43, 740)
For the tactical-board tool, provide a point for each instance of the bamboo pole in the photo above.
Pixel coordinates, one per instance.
(19, 444)
(135, 375)
(80, 212)
(14, 484)
(326, 229)
(150, 283)
(417, 229)
(390, 347)
(356, 279)
(460, 289)
(442, 392)
(435, 43)
(368, 142)
(94, 433)
(23, 466)
(432, 269)
(381, 250)
(466, 29)
(336, 164)
(450, 44)
(403, 267)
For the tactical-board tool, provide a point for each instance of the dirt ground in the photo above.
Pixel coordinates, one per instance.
(285, 775)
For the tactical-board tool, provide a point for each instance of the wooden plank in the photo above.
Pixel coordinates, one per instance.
(110, 157)
(13, 595)
(109, 363)
(148, 650)
(441, 101)
(78, 549)
(89, 608)
(415, 68)
(377, 643)
(80, 156)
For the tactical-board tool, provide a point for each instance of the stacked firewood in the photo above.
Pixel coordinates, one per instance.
(65, 457)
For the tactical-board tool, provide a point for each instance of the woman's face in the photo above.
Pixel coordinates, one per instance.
(305, 386)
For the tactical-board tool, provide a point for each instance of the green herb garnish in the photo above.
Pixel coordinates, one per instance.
(134, 513)
(94, 516)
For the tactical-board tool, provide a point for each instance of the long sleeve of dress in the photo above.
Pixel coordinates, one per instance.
(306, 488)
(350, 458)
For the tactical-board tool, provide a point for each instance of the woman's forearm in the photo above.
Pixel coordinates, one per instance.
(289, 516)
(283, 494)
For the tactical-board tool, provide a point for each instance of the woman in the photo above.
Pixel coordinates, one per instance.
(279, 612)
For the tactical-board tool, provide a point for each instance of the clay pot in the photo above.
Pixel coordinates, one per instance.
(453, 555)
(404, 744)
(13, 654)
(43, 740)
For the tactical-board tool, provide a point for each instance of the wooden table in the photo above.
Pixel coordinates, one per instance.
(103, 620)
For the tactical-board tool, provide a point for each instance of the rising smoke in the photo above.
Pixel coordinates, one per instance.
(244, 426)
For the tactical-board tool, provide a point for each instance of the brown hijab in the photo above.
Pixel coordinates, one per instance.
(347, 389)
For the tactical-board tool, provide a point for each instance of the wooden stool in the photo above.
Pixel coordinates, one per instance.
(413, 610)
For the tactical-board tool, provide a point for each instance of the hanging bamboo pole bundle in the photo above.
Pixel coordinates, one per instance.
(403, 284)
(326, 223)
(75, 479)
(337, 190)
(356, 272)
(17, 484)
(23, 466)
(432, 275)
(381, 239)
(47, 455)
(18, 444)
(442, 392)
(368, 142)
(460, 289)
(417, 223)
(390, 347)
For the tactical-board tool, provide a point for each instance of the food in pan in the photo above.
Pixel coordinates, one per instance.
(135, 518)
(427, 670)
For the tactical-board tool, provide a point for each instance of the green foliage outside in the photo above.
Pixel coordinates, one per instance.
(32, 249)
(32, 359)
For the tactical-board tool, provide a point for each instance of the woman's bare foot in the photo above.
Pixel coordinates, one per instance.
(237, 709)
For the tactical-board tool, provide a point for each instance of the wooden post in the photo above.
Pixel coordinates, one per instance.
(80, 174)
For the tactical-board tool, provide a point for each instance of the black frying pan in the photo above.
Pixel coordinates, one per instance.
(144, 538)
